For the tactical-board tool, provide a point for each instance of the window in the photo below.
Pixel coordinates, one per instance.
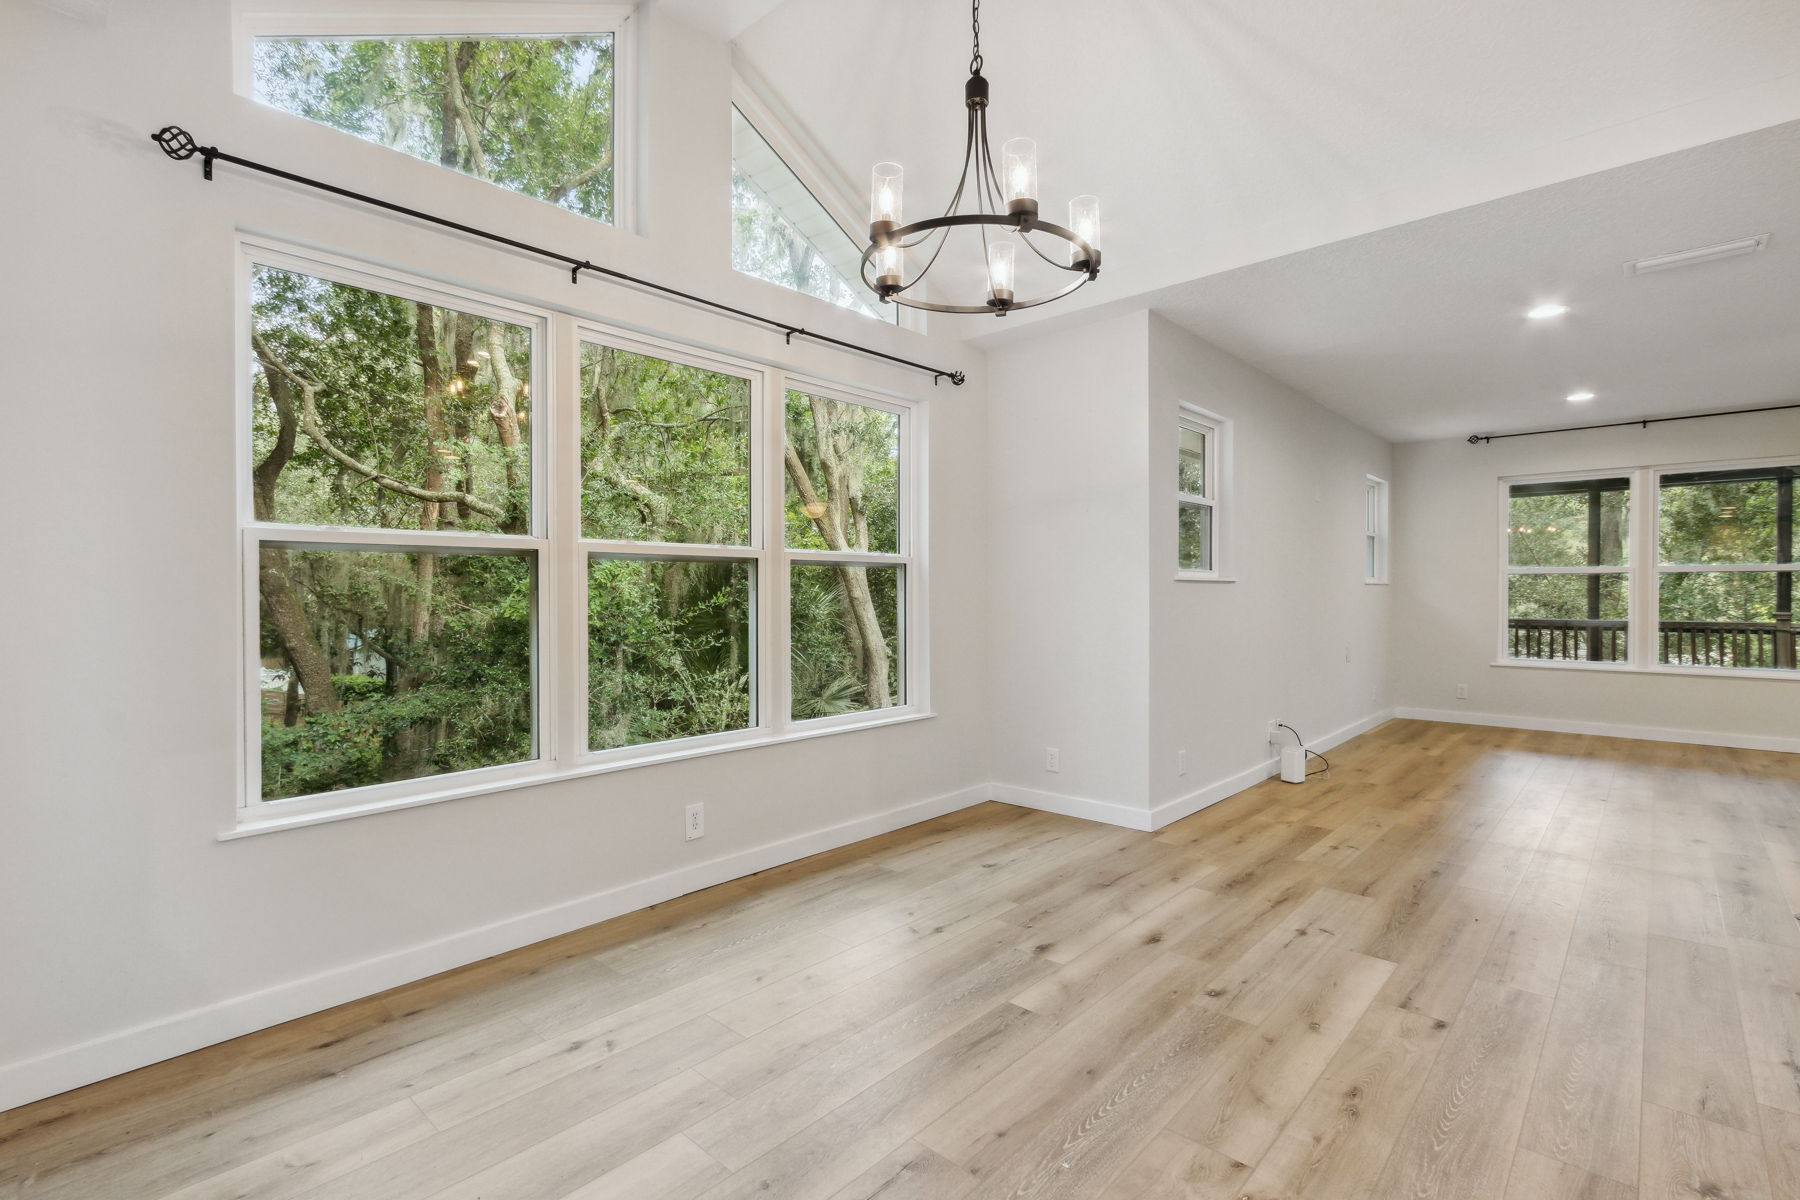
(782, 234)
(1709, 550)
(847, 570)
(1201, 448)
(393, 492)
(446, 596)
(1375, 530)
(534, 112)
(1725, 586)
(1566, 595)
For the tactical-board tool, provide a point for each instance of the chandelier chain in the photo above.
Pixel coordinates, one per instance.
(975, 23)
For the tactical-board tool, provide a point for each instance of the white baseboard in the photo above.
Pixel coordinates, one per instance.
(73, 1066)
(1125, 816)
(1648, 733)
(1128, 816)
(1185, 806)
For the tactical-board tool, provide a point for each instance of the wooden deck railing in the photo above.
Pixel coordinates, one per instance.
(1766, 644)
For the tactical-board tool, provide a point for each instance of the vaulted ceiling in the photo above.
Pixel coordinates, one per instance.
(1225, 133)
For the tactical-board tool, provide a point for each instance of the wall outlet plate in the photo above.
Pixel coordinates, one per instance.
(695, 822)
(1052, 758)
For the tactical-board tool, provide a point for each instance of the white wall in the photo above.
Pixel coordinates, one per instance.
(1299, 636)
(1446, 565)
(1067, 641)
(1095, 647)
(127, 931)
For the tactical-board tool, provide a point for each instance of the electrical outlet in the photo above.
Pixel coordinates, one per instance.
(696, 821)
(1052, 758)
(1181, 762)
(1274, 729)
(1462, 691)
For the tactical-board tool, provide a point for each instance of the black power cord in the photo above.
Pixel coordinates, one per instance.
(1303, 746)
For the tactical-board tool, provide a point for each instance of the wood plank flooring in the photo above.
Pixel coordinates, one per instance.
(1467, 962)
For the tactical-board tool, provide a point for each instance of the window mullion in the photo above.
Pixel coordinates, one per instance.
(1645, 577)
(566, 607)
(774, 686)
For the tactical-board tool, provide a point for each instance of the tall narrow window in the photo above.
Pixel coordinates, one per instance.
(848, 551)
(1567, 555)
(393, 494)
(533, 114)
(1199, 500)
(1375, 530)
(666, 511)
(1726, 568)
(782, 234)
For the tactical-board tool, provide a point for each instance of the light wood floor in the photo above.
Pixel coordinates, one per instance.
(1466, 963)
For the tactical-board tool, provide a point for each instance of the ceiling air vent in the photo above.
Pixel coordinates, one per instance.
(1699, 254)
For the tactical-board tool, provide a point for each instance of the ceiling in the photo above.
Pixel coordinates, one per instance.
(1223, 132)
(1314, 186)
(1419, 331)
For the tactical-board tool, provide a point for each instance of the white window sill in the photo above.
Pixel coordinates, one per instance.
(267, 817)
(1629, 669)
(1375, 582)
(1203, 577)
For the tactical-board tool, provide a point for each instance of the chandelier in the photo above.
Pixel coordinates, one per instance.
(1004, 208)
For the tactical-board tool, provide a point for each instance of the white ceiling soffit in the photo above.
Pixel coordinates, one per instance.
(1419, 331)
(1223, 132)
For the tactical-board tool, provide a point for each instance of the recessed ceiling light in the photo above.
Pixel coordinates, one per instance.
(1544, 312)
(1579, 397)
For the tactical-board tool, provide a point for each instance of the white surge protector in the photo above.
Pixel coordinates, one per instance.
(1293, 764)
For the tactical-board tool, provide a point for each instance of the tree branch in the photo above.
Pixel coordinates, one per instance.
(309, 425)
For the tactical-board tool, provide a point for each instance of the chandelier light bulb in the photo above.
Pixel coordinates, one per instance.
(1000, 273)
(1019, 173)
(886, 187)
(888, 263)
(1084, 222)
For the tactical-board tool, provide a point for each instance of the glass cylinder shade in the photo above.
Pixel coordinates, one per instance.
(1084, 223)
(1000, 272)
(1018, 169)
(885, 186)
(888, 265)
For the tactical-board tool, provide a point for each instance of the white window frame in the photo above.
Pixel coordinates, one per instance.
(559, 643)
(1217, 497)
(1375, 529)
(1643, 570)
(429, 19)
(809, 163)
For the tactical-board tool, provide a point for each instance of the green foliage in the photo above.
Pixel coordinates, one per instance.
(866, 441)
(1551, 530)
(665, 450)
(435, 424)
(668, 650)
(829, 672)
(534, 115)
(435, 651)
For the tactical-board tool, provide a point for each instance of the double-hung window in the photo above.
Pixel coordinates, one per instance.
(1201, 455)
(530, 100)
(1375, 530)
(488, 545)
(1682, 569)
(1566, 593)
(1725, 573)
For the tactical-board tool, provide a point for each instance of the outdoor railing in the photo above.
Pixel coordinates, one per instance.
(1767, 644)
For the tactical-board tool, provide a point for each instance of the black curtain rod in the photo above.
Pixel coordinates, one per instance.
(1645, 422)
(179, 144)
